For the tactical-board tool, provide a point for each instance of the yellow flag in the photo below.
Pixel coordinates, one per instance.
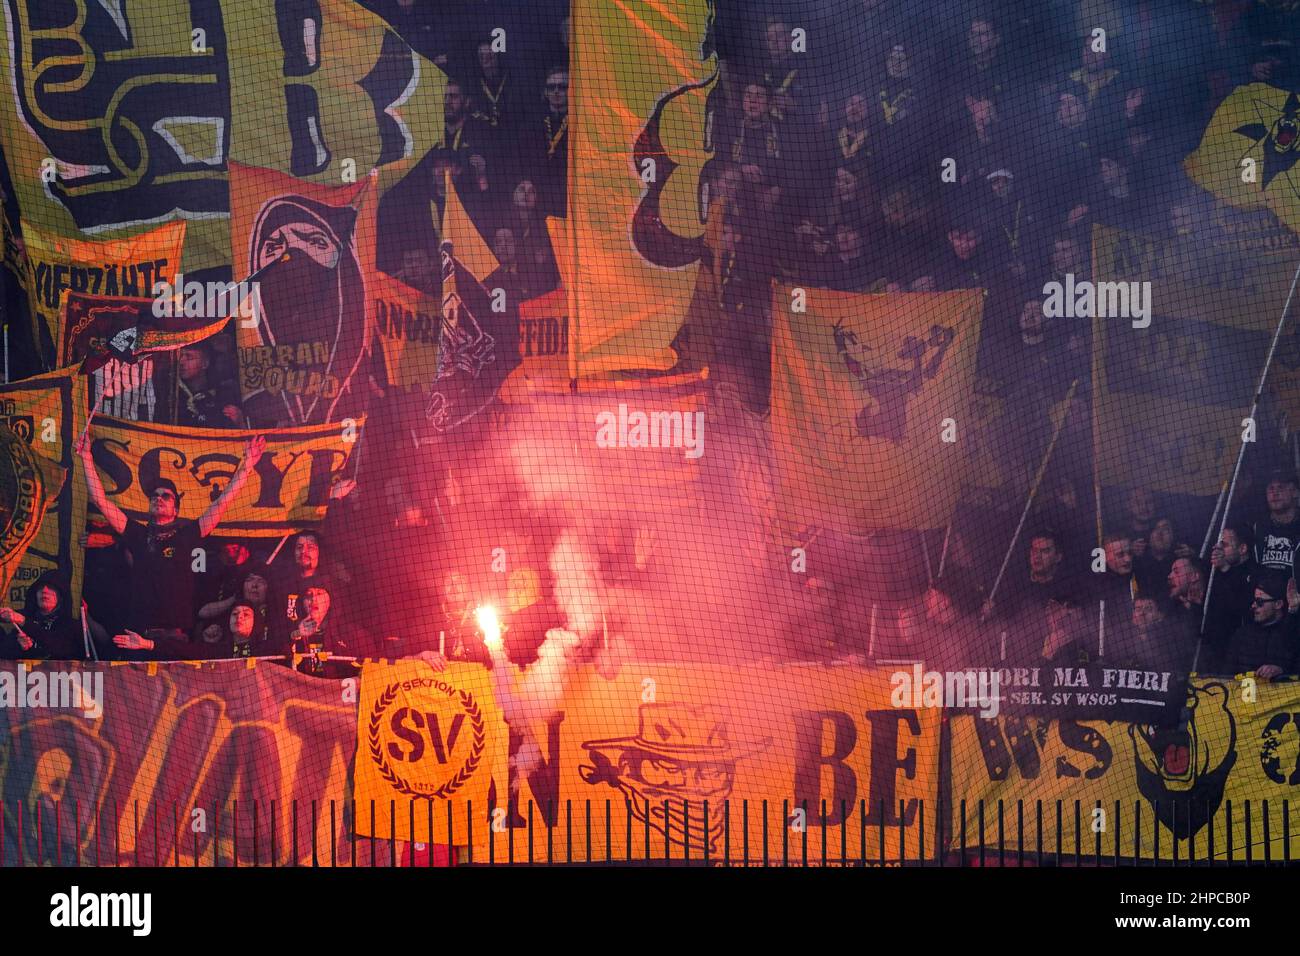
(111, 267)
(425, 736)
(1248, 153)
(1170, 399)
(864, 388)
(29, 485)
(46, 413)
(639, 141)
(1166, 792)
(164, 95)
(460, 231)
(289, 490)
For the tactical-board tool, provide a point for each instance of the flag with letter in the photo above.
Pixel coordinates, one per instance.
(122, 267)
(639, 140)
(29, 484)
(289, 490)
(167, 94)
(863, 388)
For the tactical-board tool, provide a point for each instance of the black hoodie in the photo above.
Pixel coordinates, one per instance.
(57, 635)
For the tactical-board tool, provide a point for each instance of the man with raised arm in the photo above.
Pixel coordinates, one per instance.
(161, 554)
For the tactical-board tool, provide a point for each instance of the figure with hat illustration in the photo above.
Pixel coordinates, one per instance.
(679, 757)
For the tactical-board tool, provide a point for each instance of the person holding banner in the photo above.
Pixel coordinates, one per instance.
(161, 552)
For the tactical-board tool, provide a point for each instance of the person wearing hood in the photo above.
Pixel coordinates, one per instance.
(240, 638)
(44, 629)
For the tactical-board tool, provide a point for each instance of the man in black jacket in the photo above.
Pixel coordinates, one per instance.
(1267, 645)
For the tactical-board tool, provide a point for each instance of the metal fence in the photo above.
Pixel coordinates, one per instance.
(319, 834)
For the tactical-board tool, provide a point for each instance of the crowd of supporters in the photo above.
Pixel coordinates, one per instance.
(970, 147)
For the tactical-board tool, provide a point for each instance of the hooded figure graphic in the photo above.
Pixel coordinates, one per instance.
(313, 303)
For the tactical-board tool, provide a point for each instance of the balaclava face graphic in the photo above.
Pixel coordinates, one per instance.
(317, 297)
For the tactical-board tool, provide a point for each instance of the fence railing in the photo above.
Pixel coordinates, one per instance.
(733, 833)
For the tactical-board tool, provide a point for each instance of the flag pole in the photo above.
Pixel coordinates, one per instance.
(943, 552)
(1033, 488)
(1209, 530)
(1241, 453)
(571, 219)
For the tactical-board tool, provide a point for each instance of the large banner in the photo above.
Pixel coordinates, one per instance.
(864, 388)
(47, 413)
(168, 93)
(1237, 748)
(124, 267)
(141, 765)
(766, 747)
(289, 489)
(316, 245)
(1171, 397)
(639, 140)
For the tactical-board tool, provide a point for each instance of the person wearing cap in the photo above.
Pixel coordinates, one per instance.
(1278, 536)
(161, 552)
(1266, 645)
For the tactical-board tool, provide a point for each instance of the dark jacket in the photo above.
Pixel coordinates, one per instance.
(57, 635)
(1255, 645)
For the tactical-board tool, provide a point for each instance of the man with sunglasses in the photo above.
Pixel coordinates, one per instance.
(1267, 643)
(161, 554)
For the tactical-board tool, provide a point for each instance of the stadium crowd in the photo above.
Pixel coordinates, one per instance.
(829, 166)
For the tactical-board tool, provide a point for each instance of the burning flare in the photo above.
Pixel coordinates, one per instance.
(490, 624)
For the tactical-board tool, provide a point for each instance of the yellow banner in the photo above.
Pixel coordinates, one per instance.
(289, 489)
(47, 413)
(1238, 750)
(407, 323)
(424, 736)
(863, 389)
(638, 144)
(29, 485)
(1171, 396)
(167, 94)
(666, 738)
(651, 745)
(118, 267)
